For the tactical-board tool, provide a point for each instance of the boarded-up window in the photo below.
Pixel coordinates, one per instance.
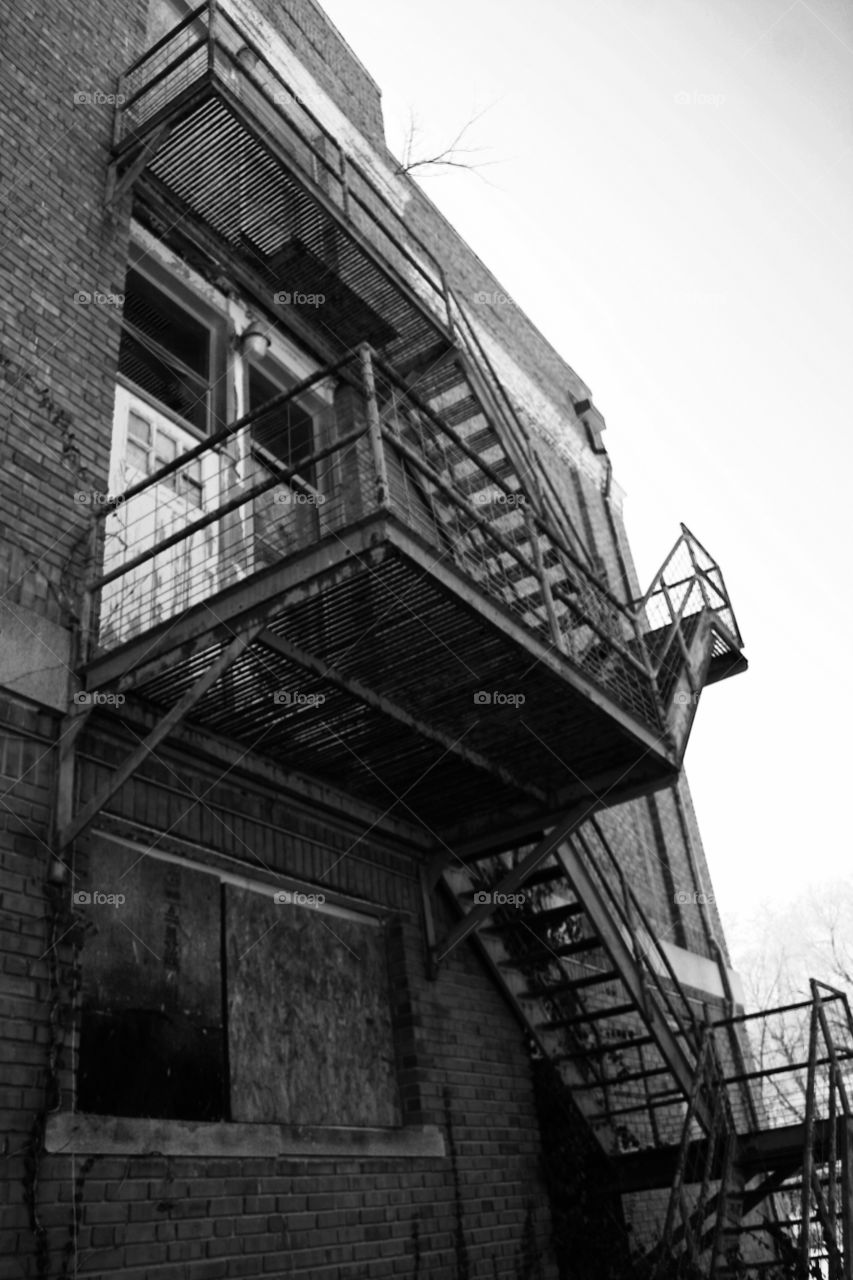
(309, 1027)
(204, 1001)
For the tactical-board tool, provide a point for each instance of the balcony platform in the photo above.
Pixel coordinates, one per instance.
(212, 130)
(427, 571)
(367, 673)
(412, 630)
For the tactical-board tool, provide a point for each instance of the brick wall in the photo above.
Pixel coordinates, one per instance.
(57, 353)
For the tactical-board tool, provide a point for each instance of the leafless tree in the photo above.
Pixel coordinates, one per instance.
(417, 157)
(811, 939)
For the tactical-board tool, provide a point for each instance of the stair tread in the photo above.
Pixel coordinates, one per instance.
(540, 919)
(617, 1046)
(571, 984)
(567, 949)
(589, 1015)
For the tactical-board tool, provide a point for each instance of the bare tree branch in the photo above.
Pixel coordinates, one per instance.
(453, 156)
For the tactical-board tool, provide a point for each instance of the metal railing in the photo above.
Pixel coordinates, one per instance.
(219, 513)
(211, 49)
(688, 584)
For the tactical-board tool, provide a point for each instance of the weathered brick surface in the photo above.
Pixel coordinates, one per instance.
(57, 353)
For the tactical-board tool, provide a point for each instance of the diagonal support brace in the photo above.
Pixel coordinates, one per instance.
(116, 186)
(73, 828)
(379, 702)
(547, 845)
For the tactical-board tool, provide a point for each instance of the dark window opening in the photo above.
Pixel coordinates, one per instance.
(165, 351)
(152, 1039)
(285, 432)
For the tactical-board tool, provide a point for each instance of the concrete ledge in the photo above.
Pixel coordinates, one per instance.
(81, 1134)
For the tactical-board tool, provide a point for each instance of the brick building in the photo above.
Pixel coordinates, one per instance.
(355, 918)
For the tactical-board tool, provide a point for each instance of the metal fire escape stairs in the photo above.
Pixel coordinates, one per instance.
(568, 942)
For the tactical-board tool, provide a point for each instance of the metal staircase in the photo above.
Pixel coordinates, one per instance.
(662, 1085)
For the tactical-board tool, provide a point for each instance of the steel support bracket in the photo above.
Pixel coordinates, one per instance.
(116, 186)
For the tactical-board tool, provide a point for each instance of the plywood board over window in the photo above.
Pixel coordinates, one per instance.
(152, 1037)
(309, 1029)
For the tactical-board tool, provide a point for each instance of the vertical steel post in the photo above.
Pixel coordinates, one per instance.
(808, 1138)
(544, 584)
(87, 603)
(342, 168)
(688, 542)
(847, 1196)
(211, 37)
(374, 428)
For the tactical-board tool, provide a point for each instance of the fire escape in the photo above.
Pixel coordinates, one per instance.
(373, 617)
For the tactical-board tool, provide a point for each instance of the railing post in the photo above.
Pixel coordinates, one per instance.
(374, 429)
(87, 604)
(847, 1196)
(808, 1137)
(211, 41)
(696, 570)
(544, 584)
(344, 178)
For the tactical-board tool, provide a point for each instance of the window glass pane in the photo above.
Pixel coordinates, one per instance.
(165, 350)
(137, 456)
(287, 432)
(190, 487)
(167, 449)
(138, 428)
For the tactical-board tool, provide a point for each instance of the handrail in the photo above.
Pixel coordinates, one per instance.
(164, 40)
(506, 546)
(211, 442)
(580, 613)
(286, 475)
(649, 933)
(545, 527)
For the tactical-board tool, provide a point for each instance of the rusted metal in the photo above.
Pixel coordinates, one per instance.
(374, 428)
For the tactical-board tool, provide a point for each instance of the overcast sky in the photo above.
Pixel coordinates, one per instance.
(670, 198)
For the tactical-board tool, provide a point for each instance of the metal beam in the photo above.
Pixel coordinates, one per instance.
(611, 787)
(477, 915)
(204, 746)
(116, 186)
(173, 716)
(379, 702)
(846, 1144)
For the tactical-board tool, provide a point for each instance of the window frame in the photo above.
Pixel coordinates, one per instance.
(215, 320)
(88, 1133)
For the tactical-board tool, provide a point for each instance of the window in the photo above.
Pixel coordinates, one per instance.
(151, 446)
(285, 433)
(166, 352)
(206, 998)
